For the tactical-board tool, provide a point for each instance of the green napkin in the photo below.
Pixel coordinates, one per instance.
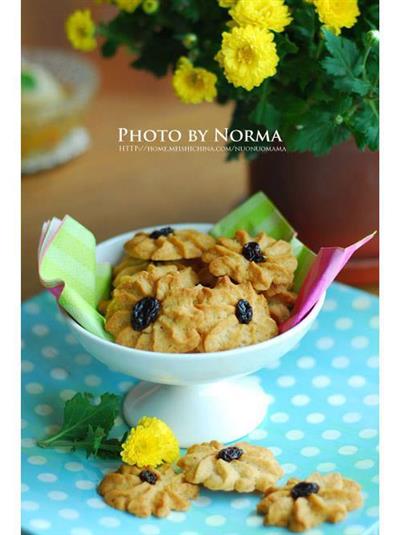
(259, 214)
(68, 268)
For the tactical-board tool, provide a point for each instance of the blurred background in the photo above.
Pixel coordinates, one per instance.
(112, 192)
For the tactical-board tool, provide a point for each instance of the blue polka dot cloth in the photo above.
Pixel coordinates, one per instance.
(323, 416)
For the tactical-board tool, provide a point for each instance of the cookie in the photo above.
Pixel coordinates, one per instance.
(280, 303)
(260, 260)
(301, 505)
(127, 266)
(154, 310)
(147, 491)
(233, 315)
(242, 467)
(168, 244)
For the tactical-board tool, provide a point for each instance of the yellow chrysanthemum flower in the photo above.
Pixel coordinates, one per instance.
(81, 30)
(150, 443)
(128, 5)
(267, 14)
(193, 84)
(337, 14)
(248, 56)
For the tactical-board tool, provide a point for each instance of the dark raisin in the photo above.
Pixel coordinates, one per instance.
(229, 454)
(252, 252)
(304, 489)
(244, 311)
(144, 312)
(147, 476)
(165, 231)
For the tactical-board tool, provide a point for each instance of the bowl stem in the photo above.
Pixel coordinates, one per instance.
(224, 410)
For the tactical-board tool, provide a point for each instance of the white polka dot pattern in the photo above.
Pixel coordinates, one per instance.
(323, 416)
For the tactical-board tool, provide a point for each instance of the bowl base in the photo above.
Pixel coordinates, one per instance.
(224, 410)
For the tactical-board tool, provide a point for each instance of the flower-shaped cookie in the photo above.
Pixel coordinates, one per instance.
(280, 303)
(241, 467)
(168, 244)
(301, 505)
(261, 260)
(154, 310)
(127, 266)
(146, 491)
(233, 315)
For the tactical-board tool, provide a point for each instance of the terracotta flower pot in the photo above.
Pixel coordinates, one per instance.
(330, 200)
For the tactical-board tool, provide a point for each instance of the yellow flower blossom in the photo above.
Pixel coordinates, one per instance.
(81, 30)
(337, 14)
(193, 84)
(267, 14)
(248, 56)
(150, 443)
(128, 5)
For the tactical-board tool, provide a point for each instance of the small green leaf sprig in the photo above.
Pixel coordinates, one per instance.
(87, 426)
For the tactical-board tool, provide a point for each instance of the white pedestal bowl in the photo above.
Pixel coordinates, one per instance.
(201, 396)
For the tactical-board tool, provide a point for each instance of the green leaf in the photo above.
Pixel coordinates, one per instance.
(28, 81)
(187, 9)
(264, 113)
(109, 48)
(304, 22)
(344, 64)
(81, 415)
(353, 85)
(285, 46)
(159, 54)
(93, 440)
(344, 59)
(318, 133)
(365, 127)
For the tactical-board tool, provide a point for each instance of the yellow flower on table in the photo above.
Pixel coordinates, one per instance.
(337, 14)
(194, 84)
(81, 30)
(128, 5)
(150, 443)
(267, 14)
(248, 56)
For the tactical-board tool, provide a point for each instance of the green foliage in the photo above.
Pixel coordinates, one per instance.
(87, 426)
(344, 64)
(326, 87)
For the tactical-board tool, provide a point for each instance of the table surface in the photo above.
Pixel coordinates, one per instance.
(323, 416)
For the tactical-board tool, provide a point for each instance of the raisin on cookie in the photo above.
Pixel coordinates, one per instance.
(147, 491)
(260, 260)
(168, 244)
(301, 505)
(154, 310)
(241, 468)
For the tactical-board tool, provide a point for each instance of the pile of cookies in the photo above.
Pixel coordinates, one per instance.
(182, 291)
(297, 505)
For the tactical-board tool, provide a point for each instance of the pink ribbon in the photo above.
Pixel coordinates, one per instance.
(326, 266)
